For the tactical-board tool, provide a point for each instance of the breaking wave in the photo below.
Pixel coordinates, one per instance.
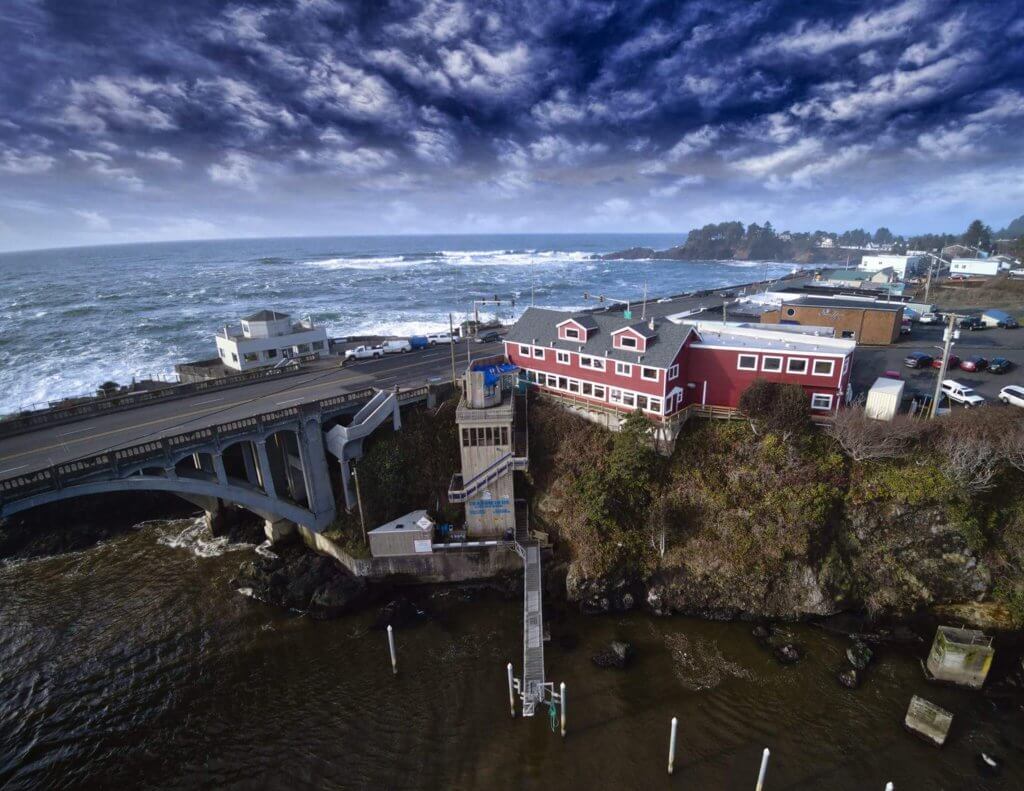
(194, 536)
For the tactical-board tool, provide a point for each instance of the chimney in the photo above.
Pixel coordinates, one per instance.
(651, 324)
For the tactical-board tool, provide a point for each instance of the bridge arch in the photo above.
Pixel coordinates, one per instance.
(253, 499)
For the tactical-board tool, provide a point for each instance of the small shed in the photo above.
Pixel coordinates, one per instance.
(961, 656)
(412, 534)
(884, 398)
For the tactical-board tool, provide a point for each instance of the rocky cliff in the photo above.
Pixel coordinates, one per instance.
(740, 525)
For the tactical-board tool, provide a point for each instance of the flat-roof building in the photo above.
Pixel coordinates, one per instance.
(983, 267)
(903, 266)
(266, 338)
(869, 322)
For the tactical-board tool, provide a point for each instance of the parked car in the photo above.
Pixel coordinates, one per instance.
(999, 365)
(435, 338)
(921, 404)
(905, 327)
(971, 323)
(918, 360)
(399, 346)
(1012, 394)
(974, 364)
(892, 374)
(930, 318)
(364, 353)
(488, 337)
(962, 394)
(418, 342)
(954, 362)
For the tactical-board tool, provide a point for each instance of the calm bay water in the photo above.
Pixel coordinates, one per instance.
(134, 665)
(72, 319)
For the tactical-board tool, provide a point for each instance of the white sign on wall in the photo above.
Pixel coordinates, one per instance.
(422, 545)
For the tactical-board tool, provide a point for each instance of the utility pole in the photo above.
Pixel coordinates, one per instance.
(451, 346)
(643, 310)
(948, 337)
(359, 502)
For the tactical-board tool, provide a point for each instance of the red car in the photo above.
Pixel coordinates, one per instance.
(954, 362)
(974, 364)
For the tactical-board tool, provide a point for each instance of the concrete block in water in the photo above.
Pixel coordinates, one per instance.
(927, 720)
(960, 656)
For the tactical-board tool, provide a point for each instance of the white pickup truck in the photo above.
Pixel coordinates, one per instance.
(364, 353)
(441, 337)
(961, 393)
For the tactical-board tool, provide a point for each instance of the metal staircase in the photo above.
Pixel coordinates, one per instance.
(459, 491)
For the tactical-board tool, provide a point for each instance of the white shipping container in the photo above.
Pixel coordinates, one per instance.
(884, 398)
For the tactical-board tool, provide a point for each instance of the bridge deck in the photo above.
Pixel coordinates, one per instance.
(533, 629)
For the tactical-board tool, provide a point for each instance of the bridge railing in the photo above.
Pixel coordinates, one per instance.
(17, 424)
(165, 450)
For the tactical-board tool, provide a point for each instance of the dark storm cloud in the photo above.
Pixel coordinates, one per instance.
(470, 114)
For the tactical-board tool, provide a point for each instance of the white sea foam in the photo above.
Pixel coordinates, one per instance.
(402, 329)
(377, 262)
(195, 537)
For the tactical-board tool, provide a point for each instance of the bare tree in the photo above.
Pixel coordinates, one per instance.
(971, 459)
(864, 438)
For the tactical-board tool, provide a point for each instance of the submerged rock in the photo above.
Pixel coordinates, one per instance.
(761, 632)
(988, 765)
(618, 654)
(849, 678)
(859, 655)
(787, 653)
(399, 611)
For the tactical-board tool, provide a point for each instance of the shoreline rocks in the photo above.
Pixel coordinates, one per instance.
(618, 654)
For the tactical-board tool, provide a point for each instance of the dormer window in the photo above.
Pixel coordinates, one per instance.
(627, 342)
(573, 330)
(634, 338)
(571, 333)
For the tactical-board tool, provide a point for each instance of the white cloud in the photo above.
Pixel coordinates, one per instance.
(352, 92)
(782, 158)
(93, 220)
(809, 174)
(414, 69)
(103, 165)
(946, 35)
(693, 142)
(485, 74)
(555, 148)
(241, 104)
(160, 155)
(677, 186)
(438, 146)
(558, 110)
(1004, 104)
(862, 30)
(24, 163)
(237, 170)
(952, 141)
(135, 102)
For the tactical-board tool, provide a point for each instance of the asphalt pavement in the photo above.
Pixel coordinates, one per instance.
(44, 447)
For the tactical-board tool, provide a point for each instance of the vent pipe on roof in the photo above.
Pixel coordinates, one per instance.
(651, 324)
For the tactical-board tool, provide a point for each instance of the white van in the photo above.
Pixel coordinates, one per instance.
(397, 347)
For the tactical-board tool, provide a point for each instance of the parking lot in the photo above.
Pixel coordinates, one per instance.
(871, 362)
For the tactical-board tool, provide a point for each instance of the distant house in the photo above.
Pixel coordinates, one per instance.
(826, 241)
(267, 337)
(604, 362)
(903, 266)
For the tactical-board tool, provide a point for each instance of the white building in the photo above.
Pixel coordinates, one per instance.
(974, 266)
(903, 266)
(267, 337)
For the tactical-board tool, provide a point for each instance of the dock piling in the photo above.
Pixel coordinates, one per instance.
(672, 745)
(391, 648)
(511, 691)
(562, 694)
(890, 787)
(764, 769)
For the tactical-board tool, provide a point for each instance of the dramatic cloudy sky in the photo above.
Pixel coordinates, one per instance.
(124, 120)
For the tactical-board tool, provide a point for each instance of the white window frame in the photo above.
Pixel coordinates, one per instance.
(831, 367)
(827, 396)
(791, 360)
(563, 358)
(765, 358)
(643, 373)
(673, 371)
(629, 399)
(538, 353)
(624, 369)
(599, 392)
(571, 333)
(526, 351)
(739, 362)
(634, 343)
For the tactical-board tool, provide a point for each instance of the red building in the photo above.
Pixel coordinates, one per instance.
(662, 367)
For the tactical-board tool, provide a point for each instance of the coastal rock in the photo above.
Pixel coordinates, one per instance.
(398, 612)
(849, 678)
(632, 254)
(298, 579)
(761, 632)
(859, 655)
(787, 654)
(594, 596)
(618, 654)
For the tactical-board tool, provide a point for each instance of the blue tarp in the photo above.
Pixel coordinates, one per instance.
(493, 373)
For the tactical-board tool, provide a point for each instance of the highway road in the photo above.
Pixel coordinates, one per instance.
(35, 450)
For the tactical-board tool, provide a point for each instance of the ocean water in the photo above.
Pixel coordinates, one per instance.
(71, 319)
